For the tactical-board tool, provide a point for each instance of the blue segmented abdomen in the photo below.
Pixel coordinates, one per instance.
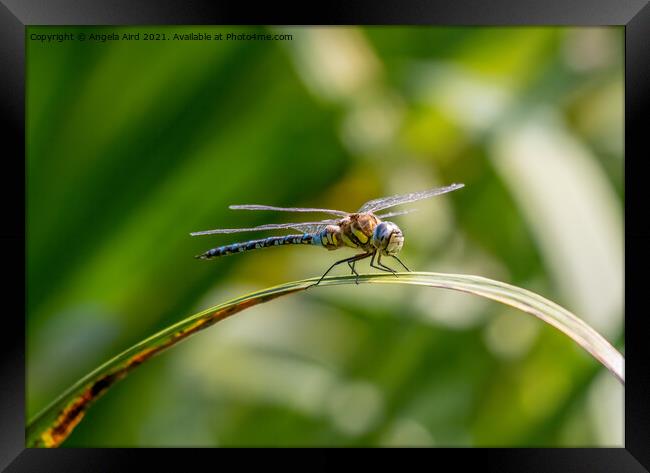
(304, 239)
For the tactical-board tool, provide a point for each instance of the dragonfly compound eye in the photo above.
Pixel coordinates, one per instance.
(388, 238)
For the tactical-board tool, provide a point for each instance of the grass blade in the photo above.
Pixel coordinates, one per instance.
(52, 426)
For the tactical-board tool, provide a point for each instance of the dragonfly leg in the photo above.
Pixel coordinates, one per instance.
(384, 266)
(351, 265)
(346, 260)
(400, 262)
(372, 264)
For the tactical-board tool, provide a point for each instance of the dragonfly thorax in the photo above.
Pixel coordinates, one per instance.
(387, 238)
(353, 231)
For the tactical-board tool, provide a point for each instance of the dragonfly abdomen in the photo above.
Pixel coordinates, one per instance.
(304, 239)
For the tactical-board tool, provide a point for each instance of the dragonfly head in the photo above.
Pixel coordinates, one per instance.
(387, 238)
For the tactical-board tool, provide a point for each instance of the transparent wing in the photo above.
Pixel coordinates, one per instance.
(391, 201)
(395, 214)
(301, 227)
(339, 213)
(314, 228)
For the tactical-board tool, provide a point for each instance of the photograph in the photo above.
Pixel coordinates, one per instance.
(324, 236)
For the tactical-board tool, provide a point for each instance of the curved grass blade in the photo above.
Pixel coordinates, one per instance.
(52, 426)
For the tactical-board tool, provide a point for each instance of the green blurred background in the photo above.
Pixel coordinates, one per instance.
(134, 144)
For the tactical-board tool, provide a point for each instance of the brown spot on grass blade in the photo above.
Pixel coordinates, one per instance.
(65, 422)
(72, 414)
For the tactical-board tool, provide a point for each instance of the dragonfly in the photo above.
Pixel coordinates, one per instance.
(366, 230)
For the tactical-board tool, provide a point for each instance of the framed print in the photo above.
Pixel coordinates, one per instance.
(454, 193)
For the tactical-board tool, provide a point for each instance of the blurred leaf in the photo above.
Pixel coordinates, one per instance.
(52, 426)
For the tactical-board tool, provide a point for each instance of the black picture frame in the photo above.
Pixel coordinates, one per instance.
(16, 15)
